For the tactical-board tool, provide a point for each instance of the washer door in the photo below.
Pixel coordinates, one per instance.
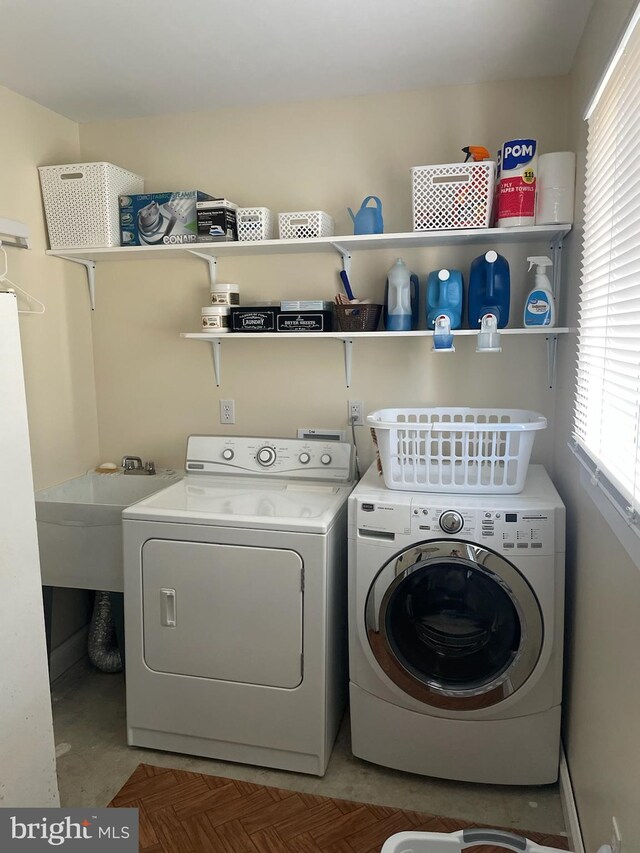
(454, 625)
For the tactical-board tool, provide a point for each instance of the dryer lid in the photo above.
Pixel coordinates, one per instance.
(253, 503)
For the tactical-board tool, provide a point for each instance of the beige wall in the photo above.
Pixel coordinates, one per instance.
(602, 724)
(154, 388)
(57, 346)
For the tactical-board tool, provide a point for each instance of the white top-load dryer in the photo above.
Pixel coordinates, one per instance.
(456, 606)
(235, 603)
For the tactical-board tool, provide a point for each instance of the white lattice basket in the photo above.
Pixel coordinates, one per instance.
(453, 195)
(81, 203)
(254, 223)
(455, 450)
(305, 224)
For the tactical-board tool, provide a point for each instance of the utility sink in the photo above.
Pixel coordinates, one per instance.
(80, 527)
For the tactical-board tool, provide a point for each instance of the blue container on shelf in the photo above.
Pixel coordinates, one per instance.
(489, 289)
(445, 295)
(401, 299)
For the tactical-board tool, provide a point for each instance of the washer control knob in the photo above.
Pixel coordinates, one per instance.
(228, 453)
(304, 459)
(325, 459)
(266, 456)
(451, 521)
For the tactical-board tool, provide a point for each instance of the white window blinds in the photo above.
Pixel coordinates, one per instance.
(607, 409)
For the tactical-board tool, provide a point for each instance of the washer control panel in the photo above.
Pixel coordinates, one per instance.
(518, 531)
(278, 457)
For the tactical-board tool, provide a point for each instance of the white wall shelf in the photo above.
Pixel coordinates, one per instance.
(348, 338)
(344, 246)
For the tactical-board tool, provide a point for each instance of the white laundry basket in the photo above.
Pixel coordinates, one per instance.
(81, 203)
(455, 450)
(454, 842)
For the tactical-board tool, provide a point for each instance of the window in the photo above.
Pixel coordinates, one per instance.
(607, 408)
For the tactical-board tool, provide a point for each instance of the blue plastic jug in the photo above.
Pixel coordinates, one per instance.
(489, 289)
(368, 220)
(401, 298)
(445, 295)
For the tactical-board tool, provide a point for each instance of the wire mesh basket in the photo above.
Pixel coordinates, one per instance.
(455, 450)
(358, 318)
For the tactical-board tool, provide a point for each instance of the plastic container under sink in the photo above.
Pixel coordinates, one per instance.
(80, 527)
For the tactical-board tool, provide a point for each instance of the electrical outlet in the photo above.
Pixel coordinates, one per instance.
(355, 408)
(616, 840)
(227, 411)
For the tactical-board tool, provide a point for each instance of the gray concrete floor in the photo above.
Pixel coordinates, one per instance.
(94, 762)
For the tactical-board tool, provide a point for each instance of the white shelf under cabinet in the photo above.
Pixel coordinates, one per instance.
(348, 338)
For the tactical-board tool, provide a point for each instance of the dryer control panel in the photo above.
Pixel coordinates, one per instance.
(522, 531)
(270, 457)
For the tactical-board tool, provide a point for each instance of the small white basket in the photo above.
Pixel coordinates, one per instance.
(254, 223)
(305, 224)
(81, 203)
(453, 195)
(457, 450)
(455, 842)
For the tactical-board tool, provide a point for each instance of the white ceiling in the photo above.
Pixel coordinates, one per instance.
(101, 59)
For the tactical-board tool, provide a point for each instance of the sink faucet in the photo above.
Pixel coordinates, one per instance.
(134, 465)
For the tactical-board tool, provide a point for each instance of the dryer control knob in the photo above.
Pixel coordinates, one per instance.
(325, 459)
(451, 521)
(304, 458)
(266, 456)
(228, 454)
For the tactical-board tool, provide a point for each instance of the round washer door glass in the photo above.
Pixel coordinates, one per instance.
(456, 625)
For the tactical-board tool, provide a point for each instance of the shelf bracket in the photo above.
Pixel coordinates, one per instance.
(90, 267)
(556, 257)
(348, 344)
(552, 349)
(215, 352)
(346, 258)
(212, 261)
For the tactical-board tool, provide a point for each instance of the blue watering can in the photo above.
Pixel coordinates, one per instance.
(368, 220)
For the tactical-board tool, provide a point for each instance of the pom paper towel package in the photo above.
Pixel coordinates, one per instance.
(517, 183)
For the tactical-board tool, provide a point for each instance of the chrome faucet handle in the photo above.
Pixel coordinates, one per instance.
(130, 463)
(150, 467)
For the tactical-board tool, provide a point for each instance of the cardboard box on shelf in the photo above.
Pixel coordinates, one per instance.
(153, 219)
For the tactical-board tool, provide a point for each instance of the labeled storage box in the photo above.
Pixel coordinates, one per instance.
(305, 224)
(453, 195)
(216, 221)
(156, 219)
(81, 203)
(315, 320)
(457, 450)
(255, 223)
(255, 318)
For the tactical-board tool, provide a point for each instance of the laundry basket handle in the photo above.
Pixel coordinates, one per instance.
(494, 836)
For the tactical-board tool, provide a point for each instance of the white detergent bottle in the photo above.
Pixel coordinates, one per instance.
(539, 308)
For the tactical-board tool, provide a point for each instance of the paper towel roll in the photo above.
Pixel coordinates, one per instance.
(556, 188)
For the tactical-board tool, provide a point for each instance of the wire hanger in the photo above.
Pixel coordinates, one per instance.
(31, 299)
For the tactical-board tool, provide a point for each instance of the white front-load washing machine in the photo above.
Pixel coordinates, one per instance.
(236, 603)
(456, 607)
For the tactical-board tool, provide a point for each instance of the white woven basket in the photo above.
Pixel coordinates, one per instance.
(81, 203)
(457, 450)
(455, 842)
(305, 224)
(254, 223)
(453, 195)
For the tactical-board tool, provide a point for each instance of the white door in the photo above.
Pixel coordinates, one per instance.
(226, 612)
(27, 755)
